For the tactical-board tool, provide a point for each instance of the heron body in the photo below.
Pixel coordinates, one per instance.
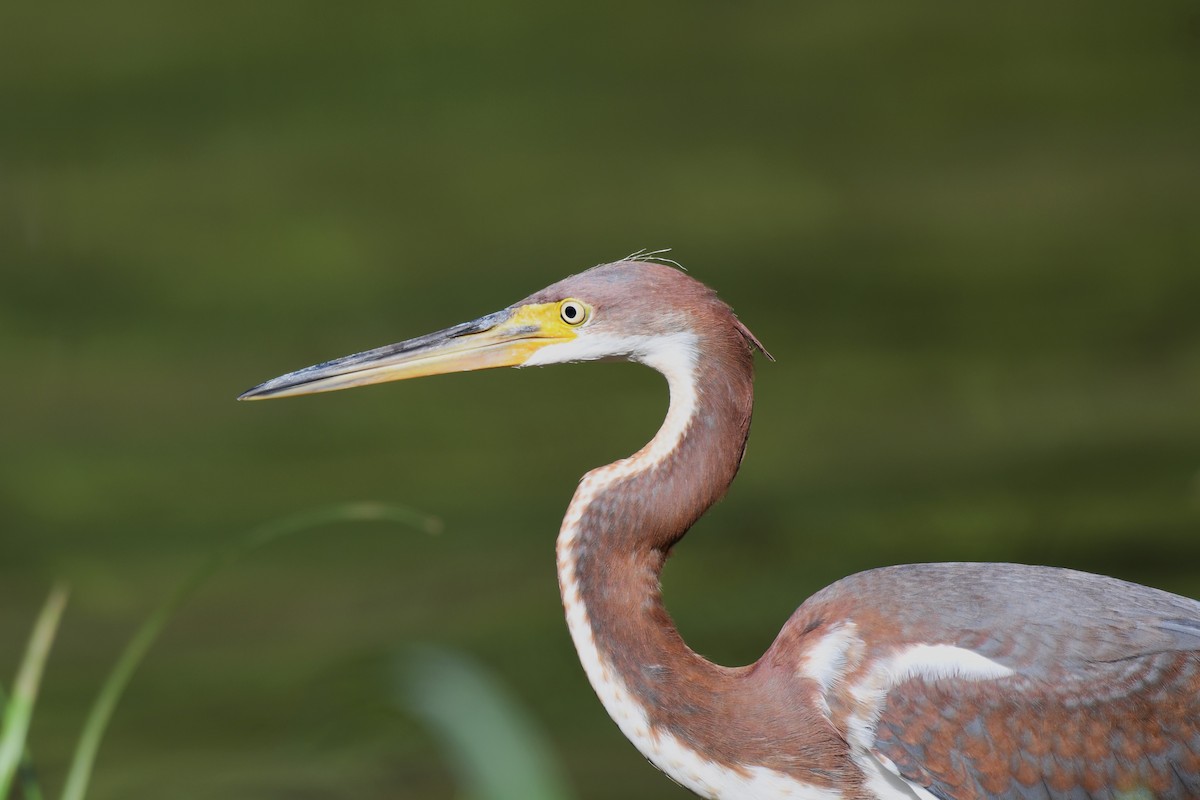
(919, 682)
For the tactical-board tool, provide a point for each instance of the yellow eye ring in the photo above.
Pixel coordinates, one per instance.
(573, 312)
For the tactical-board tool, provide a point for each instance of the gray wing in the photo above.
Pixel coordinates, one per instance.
(1102, 701)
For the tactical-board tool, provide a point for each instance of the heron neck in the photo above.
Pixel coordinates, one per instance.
(617, 535)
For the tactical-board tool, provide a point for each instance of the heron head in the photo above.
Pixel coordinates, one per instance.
(636, 310)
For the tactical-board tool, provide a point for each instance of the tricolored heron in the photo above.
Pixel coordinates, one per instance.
(949, 681)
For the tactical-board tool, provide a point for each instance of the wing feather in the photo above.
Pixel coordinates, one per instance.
(1094, 694)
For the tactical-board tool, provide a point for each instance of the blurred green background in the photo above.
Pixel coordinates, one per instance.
(970, 235)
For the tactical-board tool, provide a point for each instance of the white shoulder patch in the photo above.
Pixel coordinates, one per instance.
(933, 661)
(868, 694)
(836, 663)
(831, 657)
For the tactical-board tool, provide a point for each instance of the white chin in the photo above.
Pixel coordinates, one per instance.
(664, 353)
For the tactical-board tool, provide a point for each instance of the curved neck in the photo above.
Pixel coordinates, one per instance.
(616, 537)
(721, 732)
(647, 502)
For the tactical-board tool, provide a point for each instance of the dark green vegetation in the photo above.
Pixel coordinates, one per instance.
(970, 237)
(497, 752)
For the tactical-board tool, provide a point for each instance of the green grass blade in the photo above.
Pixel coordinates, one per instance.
(19, 710)
(27, 779)
(114, 685)
(31, 788)
(496, 749)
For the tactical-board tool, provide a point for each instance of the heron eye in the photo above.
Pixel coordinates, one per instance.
(572, 312)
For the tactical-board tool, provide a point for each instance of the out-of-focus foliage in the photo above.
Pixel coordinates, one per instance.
(113, 688)
(496, 750)
(968, 234)
(498, 753)
(16, 762)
